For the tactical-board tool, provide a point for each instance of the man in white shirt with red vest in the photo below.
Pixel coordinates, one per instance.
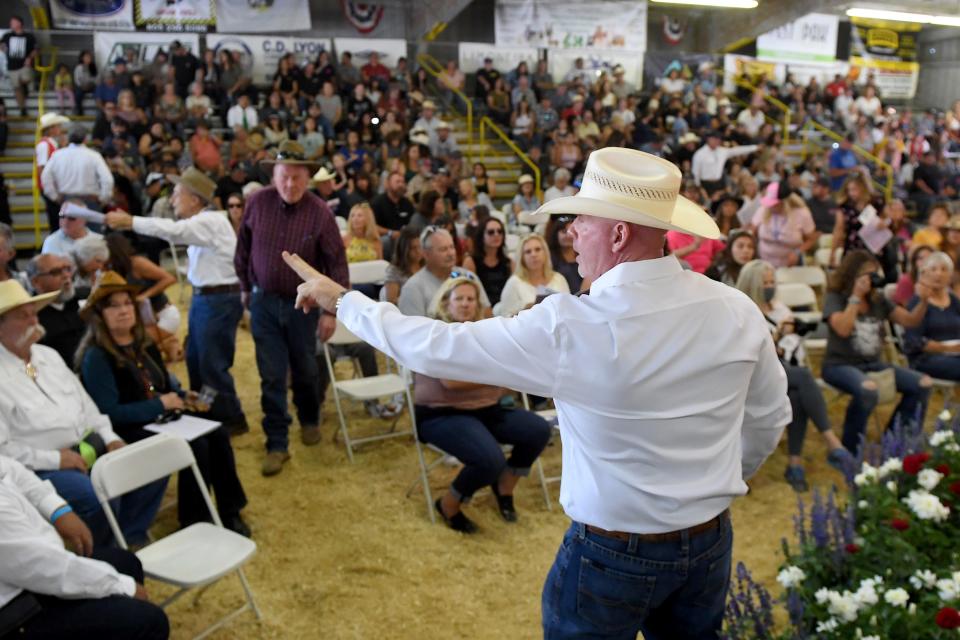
(51, 128)
(668, 391)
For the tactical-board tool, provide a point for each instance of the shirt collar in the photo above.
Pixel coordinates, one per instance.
(639, 271)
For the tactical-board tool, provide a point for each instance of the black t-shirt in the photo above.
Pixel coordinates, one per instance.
(226, 186)
(389, 214)
(931, 175)
(64, 329)
(185, 68)
(18, 48)
(356, 108)
(491, 78)
(824, 214)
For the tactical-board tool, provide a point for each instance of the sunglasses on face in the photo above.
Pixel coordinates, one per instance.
(494, 232)
(235, 205)
(456, 273)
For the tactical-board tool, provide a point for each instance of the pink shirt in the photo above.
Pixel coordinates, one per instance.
(781, 235)
(700, 259)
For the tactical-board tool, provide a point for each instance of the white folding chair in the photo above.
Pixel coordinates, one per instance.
(361, 389)
(822, 256)
(825, 241)
(796, 295)
(193, 557)
(179, 270)
(368, 271)
(812, 276)
(341, 223)
(550, 415)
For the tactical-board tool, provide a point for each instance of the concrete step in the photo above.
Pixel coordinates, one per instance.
(16, 164)
(23, 199)
(18, 152)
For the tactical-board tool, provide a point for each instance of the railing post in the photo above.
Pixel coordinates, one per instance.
(44, 71)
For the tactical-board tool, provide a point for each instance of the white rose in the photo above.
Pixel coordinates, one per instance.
(944, 416)
(791, 577)
(897, 597)
(845, 606)
(941, 437)
(827, 625)
(912, 609)
(891, 465)
(866, 595)
(927, 506)
(891, 486)
(929, 478)
(822, 595)
(947, 590)
(952, 447)
(863, 504)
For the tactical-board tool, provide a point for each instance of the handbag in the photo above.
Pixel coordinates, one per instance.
(886, 381)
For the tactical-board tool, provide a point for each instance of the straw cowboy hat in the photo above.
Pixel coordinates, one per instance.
(633, 186)
(51, 119)
(689, 136)
(428, 104)
(290, 153)
(197, 182)
(256, 142)
(13, 295)
(109, 283)
(323, 175)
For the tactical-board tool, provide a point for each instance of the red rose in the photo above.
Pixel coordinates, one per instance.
(942, 468)
(948, 618)
(852, 548)
(955, 488)
(914, 462)
(899, 524)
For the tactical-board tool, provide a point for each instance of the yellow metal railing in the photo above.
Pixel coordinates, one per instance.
(786, 111)
(434, 68)
(486, 123)
(812, 125)
(38, 203)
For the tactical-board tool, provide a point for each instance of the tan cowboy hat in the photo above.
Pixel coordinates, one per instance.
(689, 136)
(13, 295)
(323, 175)
(291, 153)
(52, 118)
(256, 142)
(443, 125)
(428, 104)
(633, 186)
(197, 182)
(109, 283)
(525, 178)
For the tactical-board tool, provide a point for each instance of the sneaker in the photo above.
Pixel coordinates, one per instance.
(840, 459)
(380, 410)
(273, 462)
(310, 435)
(457, 522)
(796, 478)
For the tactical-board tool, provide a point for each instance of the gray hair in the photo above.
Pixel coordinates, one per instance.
(425, 236)
(90, 247)
(937, 258)
(751, 279)
(6, 231)
(561, 173)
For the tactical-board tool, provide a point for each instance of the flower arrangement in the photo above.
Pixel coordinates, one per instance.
(885, 565)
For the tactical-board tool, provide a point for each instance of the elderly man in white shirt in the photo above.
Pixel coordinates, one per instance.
(78, 172)
(49, 424)
(709, 161)
(752, 120)
(50, 591)
(215, 310)
(668, 390)
(62, 241)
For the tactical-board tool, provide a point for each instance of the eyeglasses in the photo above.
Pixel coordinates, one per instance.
(234, 205)
(456, 273)
(494, 232)
(59, 271)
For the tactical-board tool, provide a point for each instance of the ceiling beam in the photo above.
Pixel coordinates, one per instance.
(731, 25)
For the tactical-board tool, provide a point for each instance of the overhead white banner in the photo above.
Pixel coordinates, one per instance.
(572, 25)
(113, 15)
(390, 49)
(812, 38)
(560, 61)
(260, 55)
(180, 12)
(258, 16)
(109, 46)
(504, 58)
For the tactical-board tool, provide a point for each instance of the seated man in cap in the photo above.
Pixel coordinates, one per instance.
(49, 424)
(233, 182)
(55, 583)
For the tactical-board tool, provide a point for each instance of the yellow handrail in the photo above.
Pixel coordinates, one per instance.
(487, 122)
(434, 68)
(860, 151)
(786, 110)
(44, 72)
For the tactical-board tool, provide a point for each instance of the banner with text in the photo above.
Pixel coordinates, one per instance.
(258, 16)
(812, 38)
(390, 50)
(186, 15)
(111, 15)
(571, 25)
(735, 65)
(504, 58)
(108, 46)
(560, 62)
(888, 52)
(260, 55)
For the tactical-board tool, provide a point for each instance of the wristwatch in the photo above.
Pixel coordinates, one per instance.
(336, 305)
(850, 300)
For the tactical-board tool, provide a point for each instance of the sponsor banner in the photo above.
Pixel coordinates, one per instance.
(560, 62)
(896, 80)
(735, 65)
(811, 39)
(561, 24)
(390, 50)
(258, 16)
(111, 15)
(181, 15)
(887, 52)
(260, 55)
(108, 46)
(504, 58)
(658, 64)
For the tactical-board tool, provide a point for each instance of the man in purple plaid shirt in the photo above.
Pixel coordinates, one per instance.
(286, 217)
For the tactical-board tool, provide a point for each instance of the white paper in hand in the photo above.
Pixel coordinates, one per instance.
(73, 210)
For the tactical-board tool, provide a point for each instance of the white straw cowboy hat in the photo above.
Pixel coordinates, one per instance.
(52, 118)
(633, 186)
(13, 295)
(323, 175)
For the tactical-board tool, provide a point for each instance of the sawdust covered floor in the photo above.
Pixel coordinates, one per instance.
(343, 553)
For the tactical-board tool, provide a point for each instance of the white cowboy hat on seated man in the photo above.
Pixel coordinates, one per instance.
(13, 295)
(633, 186)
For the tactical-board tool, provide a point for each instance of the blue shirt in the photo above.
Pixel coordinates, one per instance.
(841, 159)
(938, 324)
(105, 93)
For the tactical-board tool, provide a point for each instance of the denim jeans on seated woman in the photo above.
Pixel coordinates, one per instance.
(938, 365)
(849, 379)
(600, 587)
(474, 438)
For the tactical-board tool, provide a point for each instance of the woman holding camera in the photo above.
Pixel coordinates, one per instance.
(758, 281)
(122, 370)
(857, 313)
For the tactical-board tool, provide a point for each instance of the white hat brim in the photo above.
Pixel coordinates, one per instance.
(687, 216)
(39, 302)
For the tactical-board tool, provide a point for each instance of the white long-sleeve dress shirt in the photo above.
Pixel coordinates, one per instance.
(32, 555)
(667, 386)
(40, 417)
(708, 164)
(77, 170)
(212, 243)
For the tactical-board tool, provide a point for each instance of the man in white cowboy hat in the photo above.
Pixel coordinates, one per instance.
(444, 144)
(51, 128)
(668, 390)
(427, 121)
(50, 425)
(621, 88)
(709, 161)
(339, 202)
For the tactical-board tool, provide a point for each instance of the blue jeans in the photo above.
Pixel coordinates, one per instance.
(600, 587)
(285, 340)
(211, 344)
(134, 511)
(474, 438)
(849, 379)
(938, 366)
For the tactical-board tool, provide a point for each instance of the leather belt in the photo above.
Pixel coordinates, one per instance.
(669, 536)
(217, 288)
